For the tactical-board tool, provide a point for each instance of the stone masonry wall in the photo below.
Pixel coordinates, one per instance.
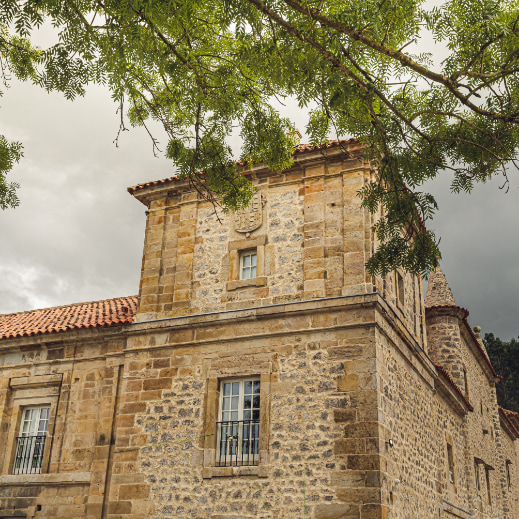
(485, 441)
(321, 406)
(77, 376)
(444, 340)
(315, 234)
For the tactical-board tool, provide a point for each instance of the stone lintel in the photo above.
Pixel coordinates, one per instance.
(36, 381)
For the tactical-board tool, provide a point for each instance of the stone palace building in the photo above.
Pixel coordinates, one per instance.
(261, 372)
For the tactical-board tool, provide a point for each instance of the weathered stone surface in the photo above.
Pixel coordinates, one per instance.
(355, 420)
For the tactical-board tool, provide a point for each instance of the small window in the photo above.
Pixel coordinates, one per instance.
(489, 493)
(466, 380)
(509, 474)
(400, 288)
(31, 442)
(248, 262)
(450, 461)
(476, 475)
(238, 428)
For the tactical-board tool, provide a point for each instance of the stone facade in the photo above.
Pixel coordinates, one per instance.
(372, 404)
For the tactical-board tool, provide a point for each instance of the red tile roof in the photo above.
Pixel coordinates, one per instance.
(298, 150)
(109, 312)
(511, 417)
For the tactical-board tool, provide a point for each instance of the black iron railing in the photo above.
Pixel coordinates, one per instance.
(238, 443)
(29, 454)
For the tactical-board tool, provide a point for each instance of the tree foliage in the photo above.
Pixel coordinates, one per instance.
(204, 68)
(504, 356)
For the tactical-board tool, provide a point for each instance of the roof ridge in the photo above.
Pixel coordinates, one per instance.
(298, 150)
(68, 306)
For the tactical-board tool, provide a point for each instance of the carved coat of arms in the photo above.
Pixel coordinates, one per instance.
(250, 218)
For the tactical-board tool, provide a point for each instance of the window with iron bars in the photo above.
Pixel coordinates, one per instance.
(239, 423)
(30, 444)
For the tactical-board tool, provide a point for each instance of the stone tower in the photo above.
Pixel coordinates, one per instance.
(443, 319)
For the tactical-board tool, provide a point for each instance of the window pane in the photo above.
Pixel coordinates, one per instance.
(256, 386)
(247, 402)
(246, 261)
(256, 401)
(248, 387)
(246, 415)
(253, 260)
(226, 403)
(235, 388)
(253, 272)
(44, 413)
(227, 389)
(234, 404)
(246, 273)
(225, 416)
(26, 426)
(234, 415)
(255, 414)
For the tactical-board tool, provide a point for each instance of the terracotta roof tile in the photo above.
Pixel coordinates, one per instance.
(512, 418)
(298, 150)
(109, 312)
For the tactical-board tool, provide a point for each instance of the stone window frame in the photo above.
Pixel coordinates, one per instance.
(212, 412)
(450, 464)
(477, 462)
(488, 468)
(400, 289)
(509, 474)
(27, 392)
(236, 248)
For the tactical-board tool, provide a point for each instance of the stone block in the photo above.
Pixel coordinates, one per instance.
(348, 382)
(337, 511)
(130, 492)
(349, 446)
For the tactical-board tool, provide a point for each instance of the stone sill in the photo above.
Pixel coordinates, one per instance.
(241, 283)
(456, 511)
(259, 471)
(64, 478)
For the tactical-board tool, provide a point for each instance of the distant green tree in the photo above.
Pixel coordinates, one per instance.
(505, 359)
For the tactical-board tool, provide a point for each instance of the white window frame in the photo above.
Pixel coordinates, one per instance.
(31, 451)
(253, 255)
(233, 455)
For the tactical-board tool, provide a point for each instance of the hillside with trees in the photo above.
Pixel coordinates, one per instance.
(505, 359)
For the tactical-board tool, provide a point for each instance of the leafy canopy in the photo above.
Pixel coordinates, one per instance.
(203, 68)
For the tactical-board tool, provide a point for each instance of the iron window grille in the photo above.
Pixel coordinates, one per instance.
(239, 425)
(238, 443)
(29, 454)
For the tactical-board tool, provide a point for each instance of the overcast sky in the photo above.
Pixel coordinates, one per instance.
(78, 235)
